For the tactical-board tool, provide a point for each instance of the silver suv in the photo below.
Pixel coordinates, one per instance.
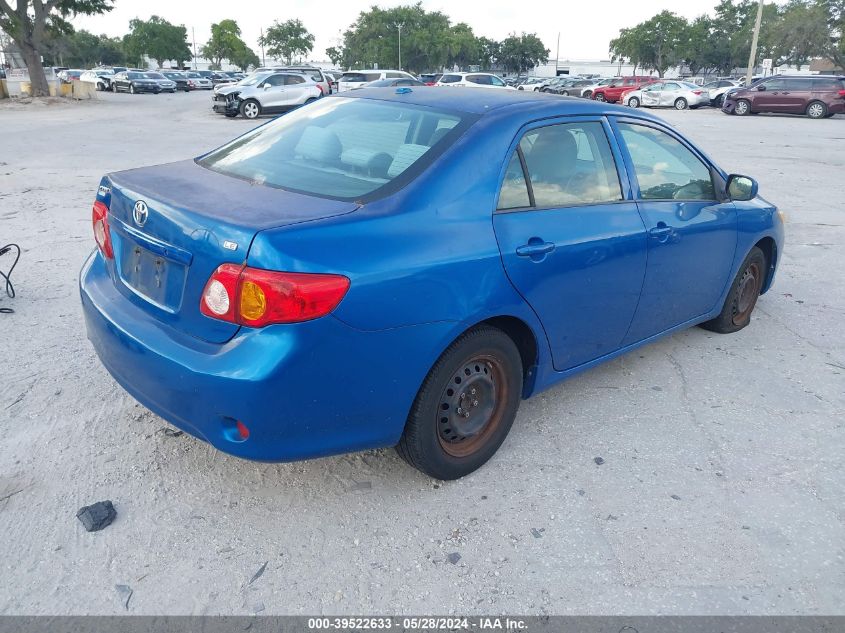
(265, 93)
(312, 72)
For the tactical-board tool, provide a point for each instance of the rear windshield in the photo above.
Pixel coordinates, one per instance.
(360, 76)
(341, 148)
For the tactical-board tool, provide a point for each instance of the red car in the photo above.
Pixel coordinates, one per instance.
(613, 92)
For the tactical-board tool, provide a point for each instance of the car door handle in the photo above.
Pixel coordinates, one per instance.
(535, 247)
(662, 232)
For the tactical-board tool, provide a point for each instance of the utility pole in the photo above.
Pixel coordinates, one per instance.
(557, 53)
(194, 40)
(753, 54)
(399, 26)
(261, 44)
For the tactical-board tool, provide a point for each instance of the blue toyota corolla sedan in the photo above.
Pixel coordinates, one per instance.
(401, 267)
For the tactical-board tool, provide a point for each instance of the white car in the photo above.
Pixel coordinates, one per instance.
(716, 90)
(198, 82)
(360, 78)
(587, 91)
(473, 80)
(533, 83)
(101, 77)
(667, 94)
(266, 93)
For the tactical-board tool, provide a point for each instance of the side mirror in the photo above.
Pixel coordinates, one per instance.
(761, 88)
(741, 188)
(266, 86)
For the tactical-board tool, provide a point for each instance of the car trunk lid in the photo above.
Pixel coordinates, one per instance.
(173, 225)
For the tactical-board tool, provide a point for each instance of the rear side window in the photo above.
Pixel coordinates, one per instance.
(665, 168)
(514, 191)
(291, 80)
(798, 83)
(828, 84)
(450, 79)
(569, 164)
(483, 80)
(340, 148)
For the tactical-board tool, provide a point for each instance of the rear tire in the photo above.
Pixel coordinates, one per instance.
(681, 104)
(742, 297)
(465, 406)
(250, 109)
(132, 89)
(742, 107)
(816, 110)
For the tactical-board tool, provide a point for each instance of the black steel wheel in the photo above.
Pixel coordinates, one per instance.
(465, 406)
(743, 295)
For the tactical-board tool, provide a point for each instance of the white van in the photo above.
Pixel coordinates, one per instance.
(360, 78)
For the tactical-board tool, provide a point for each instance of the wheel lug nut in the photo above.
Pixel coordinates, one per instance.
(460, 411)
(472, 391)
(463, 395)
(466, 415)
(475, 403)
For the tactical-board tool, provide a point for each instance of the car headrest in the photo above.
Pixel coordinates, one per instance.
(319, 144)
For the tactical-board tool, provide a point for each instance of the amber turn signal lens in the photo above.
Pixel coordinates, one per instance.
(253, 301)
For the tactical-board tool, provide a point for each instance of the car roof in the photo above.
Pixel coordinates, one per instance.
(483, 101)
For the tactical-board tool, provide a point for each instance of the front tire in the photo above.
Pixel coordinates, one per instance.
(681, 104)
(817, 110)
(742, 107)
(633, 102)
(250, 109)
(742, 297)
(132, 89)
(600, 97)
(465, 406)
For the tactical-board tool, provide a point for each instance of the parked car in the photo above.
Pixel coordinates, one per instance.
(389, 83)
(569, 87)
(69, 75)
(101, 77)
(313, 73)
(587, 91)
(197, 82)
(716, 90)
(166, 84)
(178, 78)
(429, 79)
(360, 78)
(532, 83)
(133, 82)
(220, 78)
(333, 76)
(473, 80)
(667, 94)
(818, 97)
(266, 93)
(613, 91)
(259, 298)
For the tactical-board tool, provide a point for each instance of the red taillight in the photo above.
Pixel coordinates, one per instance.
(320, 86)
(696, 92)
(842, 93)
(100, 220)
(255, 297)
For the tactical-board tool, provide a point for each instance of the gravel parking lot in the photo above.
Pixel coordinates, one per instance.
(721, 489)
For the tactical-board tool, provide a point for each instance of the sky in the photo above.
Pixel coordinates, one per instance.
(585, 27)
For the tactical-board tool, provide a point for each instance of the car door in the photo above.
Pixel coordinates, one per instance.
(797, 94)
(273, 92)
(294, 91)
(691, 227)
(671, 90)
(571, 239)
(768, 96)
(650, 95)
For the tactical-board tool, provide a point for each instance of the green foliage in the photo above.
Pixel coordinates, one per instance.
(158, 39)
(225, 42)
(287, 39)
(520, 53)
(81, 49)
(243, 57)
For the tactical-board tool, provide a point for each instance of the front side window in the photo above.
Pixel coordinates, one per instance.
(664, 167)
(775, 84)
(340, 148)
(570, 164)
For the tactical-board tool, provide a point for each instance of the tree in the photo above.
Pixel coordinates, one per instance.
(158, 39)
(287, 39)
(464, 48)
(800, 34)
(521, 53)
(488, 53)
(335, 54)
(374, 39)
(663, 35)
(30, 22)
(243, 57)
(225, 42)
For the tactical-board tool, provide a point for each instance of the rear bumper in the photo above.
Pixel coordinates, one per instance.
(303, 390)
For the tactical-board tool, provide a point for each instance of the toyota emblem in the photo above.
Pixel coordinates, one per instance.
(140, 213)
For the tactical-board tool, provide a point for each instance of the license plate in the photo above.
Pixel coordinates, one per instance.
(152, 276)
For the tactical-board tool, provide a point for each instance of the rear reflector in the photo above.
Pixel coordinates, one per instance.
(255, 297)
(102, 235)
(842, 93)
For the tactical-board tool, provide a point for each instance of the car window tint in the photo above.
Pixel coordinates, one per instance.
(665, 168)
(570, 164)
(294, 79)
(798, 83)
(828, 84)
(514, 191)
(450, 79)
(342, 148)
(775, 84)
(495, 81)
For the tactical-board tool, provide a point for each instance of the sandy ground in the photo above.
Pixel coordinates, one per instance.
(722, 488)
